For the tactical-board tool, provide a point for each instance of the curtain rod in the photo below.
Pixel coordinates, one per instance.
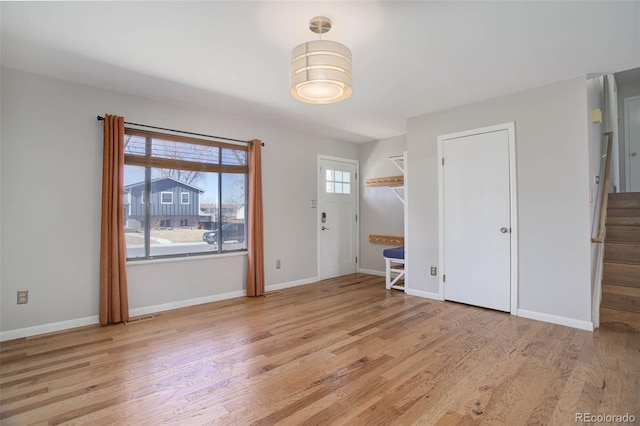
(99, 118)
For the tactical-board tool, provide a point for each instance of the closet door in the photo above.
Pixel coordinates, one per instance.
(477, 219)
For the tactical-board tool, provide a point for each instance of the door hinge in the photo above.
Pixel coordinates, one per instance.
(443, 161)
(356, 175)
(356, 259)
(356, 218)
(444, 278)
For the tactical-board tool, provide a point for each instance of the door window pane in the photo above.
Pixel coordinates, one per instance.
(337, 182)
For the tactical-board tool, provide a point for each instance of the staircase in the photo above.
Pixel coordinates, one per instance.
(620, 306)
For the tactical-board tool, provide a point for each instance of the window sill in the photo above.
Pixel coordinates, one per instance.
(185, 258)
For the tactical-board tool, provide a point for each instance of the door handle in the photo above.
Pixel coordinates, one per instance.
(633, 154)
(504, 229)
(324, 228)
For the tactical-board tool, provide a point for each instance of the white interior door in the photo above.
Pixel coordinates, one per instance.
(632, 132)
(337, 221)
(476, 210)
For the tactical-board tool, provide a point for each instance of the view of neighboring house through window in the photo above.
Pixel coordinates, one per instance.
(183, 196)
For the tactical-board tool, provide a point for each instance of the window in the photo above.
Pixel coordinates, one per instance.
(338, 182)
(166, 197)
(209, 179)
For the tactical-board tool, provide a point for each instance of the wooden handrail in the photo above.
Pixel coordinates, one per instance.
(605, 191)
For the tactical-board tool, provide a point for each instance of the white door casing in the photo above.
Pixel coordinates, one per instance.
(632, 142)
(337, 211)
(478, 219)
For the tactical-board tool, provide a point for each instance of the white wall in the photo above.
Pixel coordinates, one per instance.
(51, 181)
(1, 232)
(381, 212)
(553, 195)
(610, 124)
(597, 147)
(625, 90)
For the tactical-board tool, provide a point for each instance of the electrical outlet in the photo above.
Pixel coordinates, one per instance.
(23, 297)
(434, 271)
(278, 264)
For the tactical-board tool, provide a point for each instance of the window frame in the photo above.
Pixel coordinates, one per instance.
(162, 194)
(334, 181)
(148, 161)
(182, 194)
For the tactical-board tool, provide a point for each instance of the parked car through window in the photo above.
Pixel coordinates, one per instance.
(230, 232)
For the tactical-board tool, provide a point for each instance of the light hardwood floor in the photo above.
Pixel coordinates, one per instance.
(342, 351)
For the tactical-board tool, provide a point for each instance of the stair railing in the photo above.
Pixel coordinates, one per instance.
(599, 238)
(604, 197)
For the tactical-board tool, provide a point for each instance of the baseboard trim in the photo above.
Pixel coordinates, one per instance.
(425, 294)
(47, 328)
(296, 283)
(185, 303)
(93, 320)
(569, 322)
(372, 272)
(213, 298)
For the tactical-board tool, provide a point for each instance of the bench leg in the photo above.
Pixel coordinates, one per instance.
(387, 281)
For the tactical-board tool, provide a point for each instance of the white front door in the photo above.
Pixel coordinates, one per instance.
(632, 131)
(476, 218)
(337, 221)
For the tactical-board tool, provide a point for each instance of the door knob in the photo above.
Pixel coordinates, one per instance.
(324, 228)
(504, 230)
(633, 154)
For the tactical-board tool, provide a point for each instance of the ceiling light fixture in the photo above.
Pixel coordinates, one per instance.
(320, 70)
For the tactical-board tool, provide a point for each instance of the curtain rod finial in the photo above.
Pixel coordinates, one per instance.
(100, 118)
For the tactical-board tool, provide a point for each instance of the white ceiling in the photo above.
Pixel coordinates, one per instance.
(410, 58)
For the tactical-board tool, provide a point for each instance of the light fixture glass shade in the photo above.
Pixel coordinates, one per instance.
(320, 72)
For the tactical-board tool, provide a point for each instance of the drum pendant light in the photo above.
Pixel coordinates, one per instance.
(320, 70)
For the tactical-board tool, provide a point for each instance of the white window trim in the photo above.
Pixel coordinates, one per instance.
(161, 197)
(342, 181)
(181, 199)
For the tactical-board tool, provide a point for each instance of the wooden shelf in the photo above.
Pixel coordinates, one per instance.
(387, 240)
(386, 181)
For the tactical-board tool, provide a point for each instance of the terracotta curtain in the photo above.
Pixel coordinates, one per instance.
(255, 275)
(114, 301)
